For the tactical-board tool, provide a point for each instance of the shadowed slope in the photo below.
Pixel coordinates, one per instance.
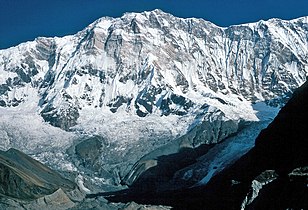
(273, 175)
(25, 178)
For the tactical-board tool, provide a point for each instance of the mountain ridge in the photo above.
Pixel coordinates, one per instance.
(142, 83)
(94, 26)
(162, 11)
(272, 175)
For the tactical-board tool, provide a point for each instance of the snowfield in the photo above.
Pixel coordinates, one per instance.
(127, 86)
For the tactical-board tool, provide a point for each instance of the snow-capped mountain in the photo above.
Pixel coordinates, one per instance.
(272, 175)
(136, 83)
(153, 62)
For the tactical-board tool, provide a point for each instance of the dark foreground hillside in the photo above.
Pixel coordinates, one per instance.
(273, 175)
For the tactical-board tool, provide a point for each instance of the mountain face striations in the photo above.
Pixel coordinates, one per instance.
(27, 183)
(275, 170)
(154, 63)
(272, 175)
(117, 101)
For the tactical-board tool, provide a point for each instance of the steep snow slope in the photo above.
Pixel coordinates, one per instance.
(146, 63)
(225, 153)
(143, 80)
(272, 175)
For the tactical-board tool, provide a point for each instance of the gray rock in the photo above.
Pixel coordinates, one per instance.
(89, 152)
(257, 184)
(55, 201)
(25, 178)
(208, 132)
(135, 206)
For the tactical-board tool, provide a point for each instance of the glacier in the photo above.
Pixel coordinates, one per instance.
(142, 81)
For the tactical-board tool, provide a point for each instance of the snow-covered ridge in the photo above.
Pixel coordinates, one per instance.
(204, 57)
(148, 78)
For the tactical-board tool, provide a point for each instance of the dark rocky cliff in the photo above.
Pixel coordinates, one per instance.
(280, 149)
(273, 175)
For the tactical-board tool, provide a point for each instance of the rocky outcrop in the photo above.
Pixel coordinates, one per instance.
(257, 184)
(115, 63)
(166, 84)
(28, 184)
(133, 206)
(273, 175)
(64, 117)
(279, 148)
(89, 152)
(25, 178)
(192, 145)
(57, 200)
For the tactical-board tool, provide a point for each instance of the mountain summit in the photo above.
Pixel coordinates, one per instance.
(113, 98)
(155, 63)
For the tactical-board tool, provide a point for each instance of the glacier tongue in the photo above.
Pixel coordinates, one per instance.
(232, 148)
(141, 81)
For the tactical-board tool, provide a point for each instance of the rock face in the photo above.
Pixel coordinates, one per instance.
(153, 62)
(209, 132)
(57, 200)
(133, 206)
(25, 178)
(125, 92)
(258, 183)
(273, 175)
(26, 183)
(279, 148)
(89, 151)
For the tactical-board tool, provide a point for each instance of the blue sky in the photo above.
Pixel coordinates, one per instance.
(24, 20)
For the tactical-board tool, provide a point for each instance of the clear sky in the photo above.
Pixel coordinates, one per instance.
(24, 20)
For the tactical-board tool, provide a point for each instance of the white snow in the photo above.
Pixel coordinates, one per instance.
(125, 128)
(27, 131)
(230, 150)
(167, 58)
(80, 182)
